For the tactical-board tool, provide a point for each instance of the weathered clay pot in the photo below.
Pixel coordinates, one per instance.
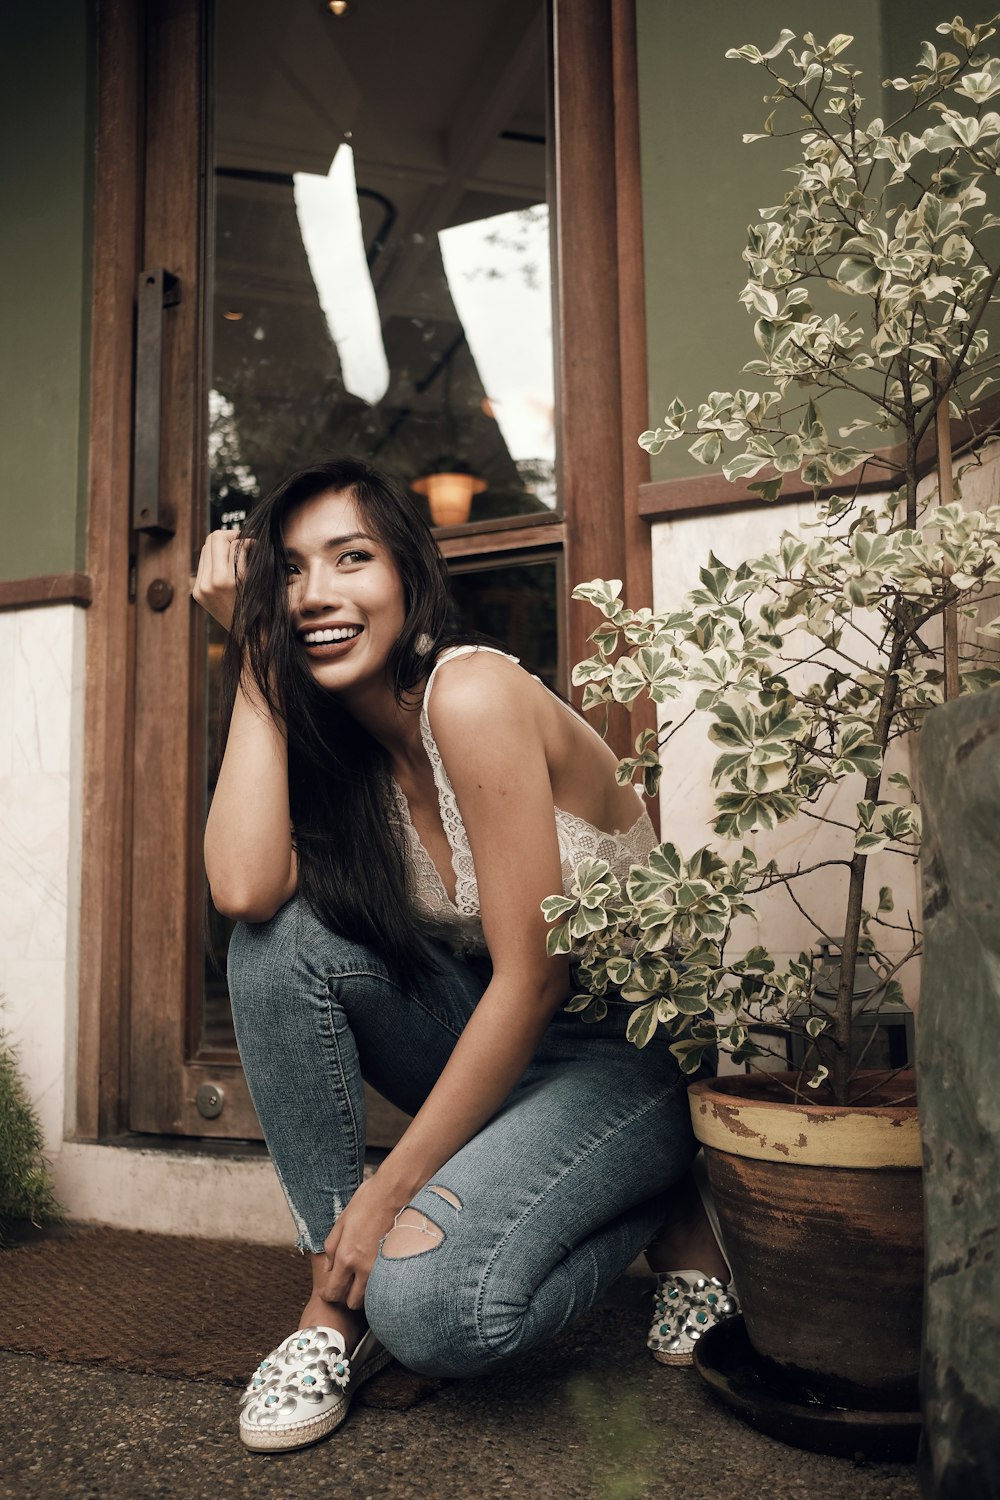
(822, 1218)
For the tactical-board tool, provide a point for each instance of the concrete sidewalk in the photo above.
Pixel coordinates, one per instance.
(589, 1417)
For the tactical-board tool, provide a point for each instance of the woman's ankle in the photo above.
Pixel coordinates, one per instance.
(318, 1313)
(688, 1252)
(686, 1241)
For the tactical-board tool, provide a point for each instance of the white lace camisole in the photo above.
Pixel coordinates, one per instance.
(458, 922)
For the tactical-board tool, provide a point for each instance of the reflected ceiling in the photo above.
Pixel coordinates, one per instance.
(444, 106)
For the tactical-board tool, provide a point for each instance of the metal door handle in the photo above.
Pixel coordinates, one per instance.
(157, 290)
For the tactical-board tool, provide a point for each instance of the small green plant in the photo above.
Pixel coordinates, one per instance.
(813, 659)
(26, 1191)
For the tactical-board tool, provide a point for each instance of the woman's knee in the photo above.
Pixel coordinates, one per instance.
(252, 944)
(421, 1317)
(427, 1303)
(293, 950)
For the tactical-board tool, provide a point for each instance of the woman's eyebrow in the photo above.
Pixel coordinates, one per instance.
(352, 536)
(334, 542)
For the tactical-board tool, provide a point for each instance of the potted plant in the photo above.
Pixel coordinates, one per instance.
(871, 283)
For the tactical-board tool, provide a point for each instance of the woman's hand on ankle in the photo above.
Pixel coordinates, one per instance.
(352, 1244)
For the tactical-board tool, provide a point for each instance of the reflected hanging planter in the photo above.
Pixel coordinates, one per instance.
(449, 495)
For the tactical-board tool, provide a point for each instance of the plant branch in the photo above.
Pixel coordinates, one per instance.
(808, 915)
(844, 1010)
(797, 873)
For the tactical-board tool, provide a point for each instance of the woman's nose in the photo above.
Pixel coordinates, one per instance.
(317, 588)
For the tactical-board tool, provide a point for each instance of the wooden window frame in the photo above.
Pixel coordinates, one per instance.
(602, 401)
(666, 499)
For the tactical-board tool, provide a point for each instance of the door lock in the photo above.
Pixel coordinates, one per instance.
(160, 594)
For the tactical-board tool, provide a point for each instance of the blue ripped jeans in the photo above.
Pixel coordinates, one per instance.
(558, 1192)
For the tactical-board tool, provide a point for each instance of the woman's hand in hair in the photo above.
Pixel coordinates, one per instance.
(220, 569)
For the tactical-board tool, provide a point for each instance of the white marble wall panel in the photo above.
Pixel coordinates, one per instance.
(36, 1005)
(980, 484)
(8, 632)
(43, 682)
(41, 692)
(34, 838)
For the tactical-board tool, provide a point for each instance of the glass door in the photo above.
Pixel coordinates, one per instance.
(373, 280)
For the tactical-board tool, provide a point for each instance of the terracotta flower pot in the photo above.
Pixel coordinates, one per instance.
(822, 1217)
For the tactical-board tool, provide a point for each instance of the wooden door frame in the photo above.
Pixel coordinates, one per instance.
(105, 949)
(601, 382)
(601, 341)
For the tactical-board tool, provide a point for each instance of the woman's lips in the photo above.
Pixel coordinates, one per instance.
(330, 650)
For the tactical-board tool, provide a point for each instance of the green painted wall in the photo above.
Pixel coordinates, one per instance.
(702, 186)
(46, 147)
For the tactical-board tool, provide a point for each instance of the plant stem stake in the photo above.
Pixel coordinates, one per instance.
(946, 494)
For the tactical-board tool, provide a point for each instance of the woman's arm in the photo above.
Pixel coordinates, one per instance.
(249, 857)
(486, 716)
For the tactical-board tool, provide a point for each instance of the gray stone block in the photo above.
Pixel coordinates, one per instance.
(958, 1082)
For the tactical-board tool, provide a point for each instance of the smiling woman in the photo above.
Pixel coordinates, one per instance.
(336, 546)
(387, 855)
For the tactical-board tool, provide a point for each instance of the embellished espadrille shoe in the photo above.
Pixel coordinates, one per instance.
(302, 1391)
(686, 1305)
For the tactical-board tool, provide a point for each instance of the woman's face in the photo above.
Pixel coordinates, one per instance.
(345, 595)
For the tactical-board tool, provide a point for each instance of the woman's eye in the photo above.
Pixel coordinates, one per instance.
(355, 557)
(291, 571)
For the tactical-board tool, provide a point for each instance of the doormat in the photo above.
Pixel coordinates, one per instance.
(162, 1305)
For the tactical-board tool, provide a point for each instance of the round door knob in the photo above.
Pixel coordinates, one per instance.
(210, 1098)
(159, 594)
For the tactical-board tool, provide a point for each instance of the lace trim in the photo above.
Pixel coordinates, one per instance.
(429, 894)
(427, 889)
(578, 839)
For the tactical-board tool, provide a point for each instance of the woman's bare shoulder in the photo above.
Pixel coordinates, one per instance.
(480, 683)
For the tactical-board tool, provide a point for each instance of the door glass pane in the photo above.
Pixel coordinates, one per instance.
(516, 604)
(380, 286)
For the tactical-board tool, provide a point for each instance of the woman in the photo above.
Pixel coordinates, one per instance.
(391, 810)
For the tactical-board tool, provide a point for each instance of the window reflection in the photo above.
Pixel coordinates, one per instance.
(382, 284)
(498, 275)
(329, 215)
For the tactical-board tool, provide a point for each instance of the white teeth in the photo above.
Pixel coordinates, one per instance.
(325, 637)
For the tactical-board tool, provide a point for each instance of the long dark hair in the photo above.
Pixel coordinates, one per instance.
(350, 847)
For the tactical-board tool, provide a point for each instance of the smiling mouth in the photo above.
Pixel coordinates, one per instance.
(331, 635)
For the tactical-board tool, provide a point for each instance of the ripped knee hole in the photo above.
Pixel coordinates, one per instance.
(413, 1233)
(447, 1195)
